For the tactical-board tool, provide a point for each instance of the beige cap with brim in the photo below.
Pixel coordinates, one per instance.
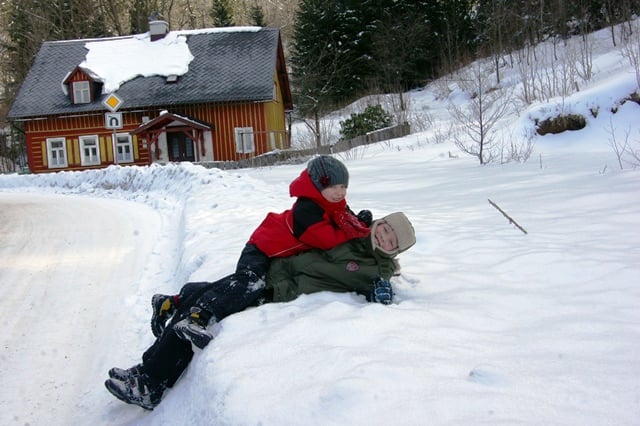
(401, 226)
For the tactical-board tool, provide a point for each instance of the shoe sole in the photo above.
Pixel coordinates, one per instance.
(157, 328)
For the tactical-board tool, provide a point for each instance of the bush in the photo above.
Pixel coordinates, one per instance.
(560, 124)
(373, 118)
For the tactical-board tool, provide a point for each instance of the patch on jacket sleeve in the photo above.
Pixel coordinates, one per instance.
(353, 266)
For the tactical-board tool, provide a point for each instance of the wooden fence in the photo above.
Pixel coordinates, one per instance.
(296, 156)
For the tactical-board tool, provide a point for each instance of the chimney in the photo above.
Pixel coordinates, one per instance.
(157, 27)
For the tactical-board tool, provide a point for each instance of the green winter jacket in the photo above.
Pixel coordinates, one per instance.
(351, 266)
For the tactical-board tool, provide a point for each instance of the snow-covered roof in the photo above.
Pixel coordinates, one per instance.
(234, 64)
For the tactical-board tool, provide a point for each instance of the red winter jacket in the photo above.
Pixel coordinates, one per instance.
(311, 222)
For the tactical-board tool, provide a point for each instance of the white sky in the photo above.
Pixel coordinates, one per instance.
(490, 326)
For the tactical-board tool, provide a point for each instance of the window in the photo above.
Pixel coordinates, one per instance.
(124, 148)
(90, 153)
(56, 152)
(81, 94)
(244, 139)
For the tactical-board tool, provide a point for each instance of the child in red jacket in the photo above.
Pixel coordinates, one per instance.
(319, 218)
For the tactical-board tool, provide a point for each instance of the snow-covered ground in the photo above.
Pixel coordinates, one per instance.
(490, 325)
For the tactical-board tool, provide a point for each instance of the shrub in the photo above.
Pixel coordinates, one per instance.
(373, 118)
(560, 124)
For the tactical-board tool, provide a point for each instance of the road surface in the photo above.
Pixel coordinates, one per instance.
(64, 261)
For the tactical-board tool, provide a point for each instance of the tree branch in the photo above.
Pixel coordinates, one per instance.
(508, 217)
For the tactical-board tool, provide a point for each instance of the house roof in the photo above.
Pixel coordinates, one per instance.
(227, 66)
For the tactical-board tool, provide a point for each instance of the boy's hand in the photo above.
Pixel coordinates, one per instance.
(382, 291)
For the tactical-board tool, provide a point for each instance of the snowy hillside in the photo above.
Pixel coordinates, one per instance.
(490, 325)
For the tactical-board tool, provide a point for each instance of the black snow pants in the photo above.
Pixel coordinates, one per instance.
(169, 355)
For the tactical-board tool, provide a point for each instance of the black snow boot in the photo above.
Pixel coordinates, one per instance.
(164, 307)
(140, 390)
(125, 374)
(194, 328)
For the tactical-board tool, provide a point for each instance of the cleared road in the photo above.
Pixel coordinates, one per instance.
(64, 260)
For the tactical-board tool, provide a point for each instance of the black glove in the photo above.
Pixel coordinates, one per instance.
(382, 291)
(365, 217)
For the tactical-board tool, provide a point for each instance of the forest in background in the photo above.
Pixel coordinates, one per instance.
(337, 51)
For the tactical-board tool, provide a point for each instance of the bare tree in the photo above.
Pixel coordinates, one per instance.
(114, 12)
(620, 147)
(477, 119)
(634, 153)
(631, 46)
(517, 149)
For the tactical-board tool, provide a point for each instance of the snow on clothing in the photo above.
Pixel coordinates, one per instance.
(349, 267)
(313, 221)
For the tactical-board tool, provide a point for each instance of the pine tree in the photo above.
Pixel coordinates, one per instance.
(331, 57)
(222, 14)
(139, 16)
(24, 37)
(257, 16)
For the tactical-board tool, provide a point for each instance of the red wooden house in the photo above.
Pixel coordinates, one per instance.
(223, 98)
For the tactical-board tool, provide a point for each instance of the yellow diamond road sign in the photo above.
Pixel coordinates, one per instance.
(112, 102)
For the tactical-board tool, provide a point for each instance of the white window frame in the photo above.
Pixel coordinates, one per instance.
(244, 140)
(89, 150)
(81, 92)
(56, 153)
(124, 148)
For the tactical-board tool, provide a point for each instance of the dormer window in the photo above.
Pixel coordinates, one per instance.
(81, 92)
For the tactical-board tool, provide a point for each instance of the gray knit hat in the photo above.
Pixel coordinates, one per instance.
(326, 171)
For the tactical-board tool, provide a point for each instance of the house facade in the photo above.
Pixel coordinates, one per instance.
(217, 94)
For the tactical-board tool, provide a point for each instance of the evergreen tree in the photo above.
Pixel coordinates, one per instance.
(331, 56)
(451, 37)
(257, 16)
(364, 45)
(24, 37)
(222, 14)
(139, 14)
(313, 60)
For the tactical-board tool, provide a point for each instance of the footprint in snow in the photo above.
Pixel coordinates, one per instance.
(487, 375)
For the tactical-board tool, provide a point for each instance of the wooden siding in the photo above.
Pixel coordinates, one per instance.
(275, 119)
(71, 128)
(264, 118)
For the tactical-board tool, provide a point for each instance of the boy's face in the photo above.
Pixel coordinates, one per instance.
(334, 193)
(385, 237)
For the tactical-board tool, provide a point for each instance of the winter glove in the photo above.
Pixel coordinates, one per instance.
(382, 291)
(365, 217)
(350, 224)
